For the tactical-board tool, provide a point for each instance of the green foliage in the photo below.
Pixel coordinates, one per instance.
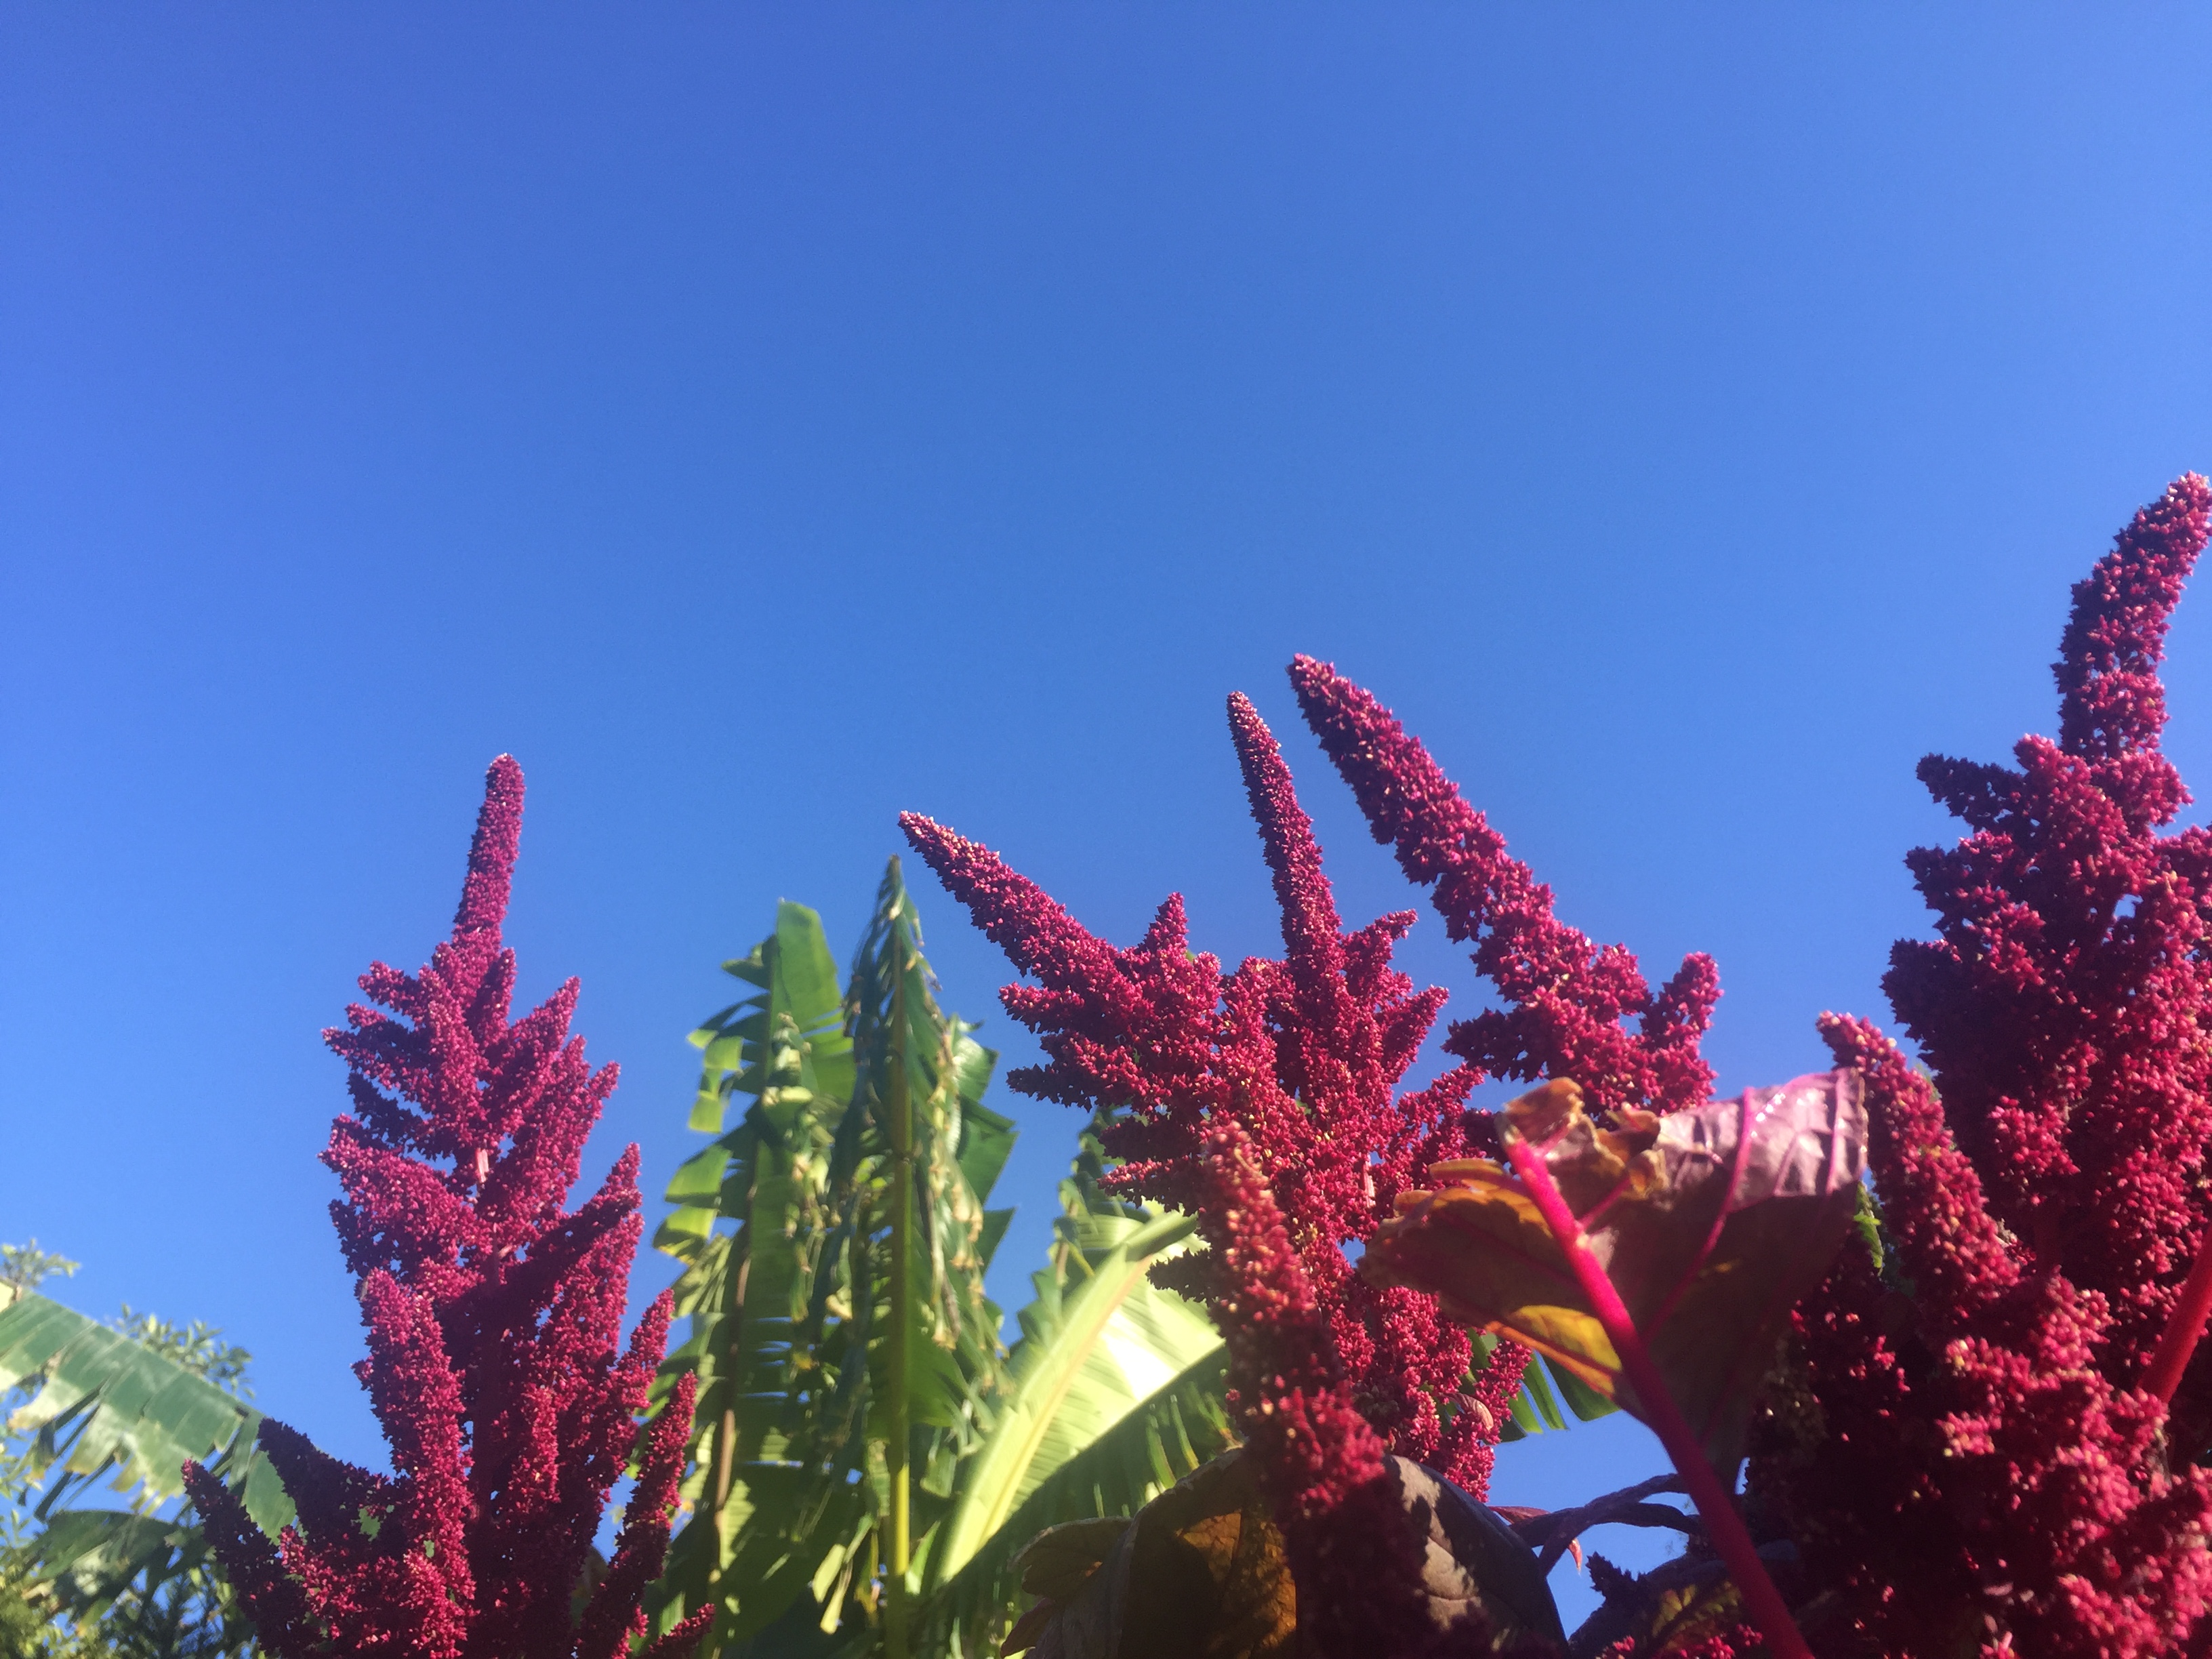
(23, 1630)
(1116, 1395)
(128, 1405)
(790, 1311)
(26, 1267)
(787, 1228)
(107, 1405)
(1544, 1386)
(141, 1586)
(197, 1347)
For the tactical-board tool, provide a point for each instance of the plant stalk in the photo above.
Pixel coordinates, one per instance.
(1723, 1524)
(2183, 1331)
(901, 1107)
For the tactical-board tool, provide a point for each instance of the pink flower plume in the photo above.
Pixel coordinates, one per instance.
(1987, 1470)
(1266, 1104)
(494, 1315)
(1567, 996)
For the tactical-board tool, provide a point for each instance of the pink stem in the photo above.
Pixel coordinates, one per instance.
(2163, 1375)
(1723, 1523)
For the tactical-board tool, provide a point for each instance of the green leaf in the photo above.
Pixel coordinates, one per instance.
(1584, 1401)
(986, 1139)
(106, 1403)
(134, 1586)
(1534, 1408)
(1112, 1340)
(995, 1223)
(788, 1268)
(1168, 1434)
(699, 1179)
(1114, 1393)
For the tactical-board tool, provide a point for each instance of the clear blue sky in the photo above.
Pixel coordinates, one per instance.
(759, 422)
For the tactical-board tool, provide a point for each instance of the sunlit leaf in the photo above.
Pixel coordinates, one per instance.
(107, 1405)
(108, 1408)
(1116, 1395)
(1710, 1224)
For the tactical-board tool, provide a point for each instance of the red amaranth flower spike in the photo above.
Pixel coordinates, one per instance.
(1566, 996)
(2063, 1006)
(1265, 1103)
(1962, 1452)
(494, 1320)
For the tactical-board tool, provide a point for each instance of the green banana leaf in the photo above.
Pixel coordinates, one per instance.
(106, 1403)
(148, 1585)
(1092, 1351)
(1118, 1395)
(1543, 1386)
(784, 1226)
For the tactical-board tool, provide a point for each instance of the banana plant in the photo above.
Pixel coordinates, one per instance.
(846, 1351)
(106, 1405)
(1116, 1394)
(868, 1456)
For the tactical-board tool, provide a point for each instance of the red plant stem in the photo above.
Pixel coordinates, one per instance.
(1723, 1523)
(2163, 1375)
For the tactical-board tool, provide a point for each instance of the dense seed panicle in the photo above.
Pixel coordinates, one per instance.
(493, 1314)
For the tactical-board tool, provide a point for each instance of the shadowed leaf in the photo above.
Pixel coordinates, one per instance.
(1200, 1574)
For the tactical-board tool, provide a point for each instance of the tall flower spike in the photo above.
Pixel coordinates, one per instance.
(1960, 1451)
(1566, 996)
(2064, 1004)
(1265, 1103)
(493, 1319)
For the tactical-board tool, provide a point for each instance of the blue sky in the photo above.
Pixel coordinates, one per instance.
(760, 423)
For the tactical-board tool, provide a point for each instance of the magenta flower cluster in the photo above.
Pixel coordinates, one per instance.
(1987, 1438)
(1265, 1103)
(1988, 1473)
(494, 1320)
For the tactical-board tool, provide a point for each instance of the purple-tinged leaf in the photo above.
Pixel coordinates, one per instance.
(1710, 1224)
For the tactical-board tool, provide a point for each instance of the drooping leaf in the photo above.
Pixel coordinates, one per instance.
(1536, 1407)
(1584, 1401)
(1094, 1351)
(1553, 1532)
(109, 1406)
(1708, 1224)
(1127, 1465)
(139, 1583)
